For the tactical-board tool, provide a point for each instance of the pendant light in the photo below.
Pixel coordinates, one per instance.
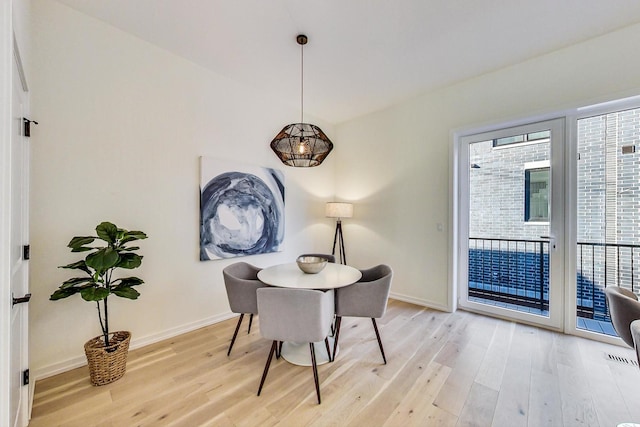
(301, 144)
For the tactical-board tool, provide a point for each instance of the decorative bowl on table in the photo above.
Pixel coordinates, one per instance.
(311, 264)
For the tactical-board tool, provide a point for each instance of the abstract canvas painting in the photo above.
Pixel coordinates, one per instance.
(241, 209)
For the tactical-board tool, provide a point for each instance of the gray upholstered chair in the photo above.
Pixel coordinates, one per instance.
(365, 298)
(241, 282)
(297, 315)
(635, 333)
(624, 308)
(329, 257)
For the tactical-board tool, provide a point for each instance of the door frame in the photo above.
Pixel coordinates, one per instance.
(10, 58)
(6, 63)
(19, 81)
(460, 211)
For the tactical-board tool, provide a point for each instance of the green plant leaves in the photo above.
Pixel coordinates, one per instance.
(76, 281)
(63, 293)
(126, 292)
(78, 265)
(128, 281)
(124, 289)
(77, 244)
(130, 236)
(94, 294)
(100, 264)
(107, 232)
(103, 259)
(129, 260)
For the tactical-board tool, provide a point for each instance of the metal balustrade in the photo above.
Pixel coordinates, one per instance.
(510, 271)
(516, 272)
(600, 265)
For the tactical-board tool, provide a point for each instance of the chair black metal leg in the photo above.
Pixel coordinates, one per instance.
(250, 320)
(333, 326)
(266, 367)
(235, 334)
(375, 326)
(335, 342)
(279, 350)
(315, 370)
(326, 344)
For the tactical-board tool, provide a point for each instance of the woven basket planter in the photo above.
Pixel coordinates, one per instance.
(107, 364)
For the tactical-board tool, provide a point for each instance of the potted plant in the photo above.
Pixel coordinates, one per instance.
(106, 354)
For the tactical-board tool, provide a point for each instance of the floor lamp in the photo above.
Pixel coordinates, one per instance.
(339, 210)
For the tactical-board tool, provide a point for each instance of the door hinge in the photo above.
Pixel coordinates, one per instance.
(27, 126)
(25, 377)
(26, 252)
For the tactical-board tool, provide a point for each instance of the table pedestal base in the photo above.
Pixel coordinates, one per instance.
(299, 354)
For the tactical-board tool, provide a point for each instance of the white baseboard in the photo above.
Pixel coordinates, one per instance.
(76, 362)
(418, 301)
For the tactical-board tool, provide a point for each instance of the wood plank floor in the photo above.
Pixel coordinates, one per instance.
(451, 369)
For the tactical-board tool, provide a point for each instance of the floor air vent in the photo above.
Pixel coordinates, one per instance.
(621, 359)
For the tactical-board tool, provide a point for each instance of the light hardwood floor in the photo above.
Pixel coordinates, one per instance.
(452, 369)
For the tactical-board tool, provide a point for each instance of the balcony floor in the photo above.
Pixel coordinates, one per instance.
(596, 326)
(591, 325)
(509, 306)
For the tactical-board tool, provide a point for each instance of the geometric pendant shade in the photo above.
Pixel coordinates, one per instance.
(301, 144)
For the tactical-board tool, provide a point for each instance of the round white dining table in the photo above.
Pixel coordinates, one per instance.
(290, 276)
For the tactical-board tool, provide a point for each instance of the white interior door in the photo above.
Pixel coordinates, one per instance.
(19, 274)
(510, 222)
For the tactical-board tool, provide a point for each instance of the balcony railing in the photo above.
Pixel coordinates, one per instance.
(516, 271)
(600, 265)
(510, 271)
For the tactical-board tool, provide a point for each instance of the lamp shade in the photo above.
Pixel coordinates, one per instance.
(339, 210)
(301, 145)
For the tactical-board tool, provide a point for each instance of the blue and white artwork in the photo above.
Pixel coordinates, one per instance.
(241, 209)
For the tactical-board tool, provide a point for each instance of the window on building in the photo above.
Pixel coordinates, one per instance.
(519, 139)
(536, 195)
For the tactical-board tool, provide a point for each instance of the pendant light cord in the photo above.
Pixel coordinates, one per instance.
(301, 83)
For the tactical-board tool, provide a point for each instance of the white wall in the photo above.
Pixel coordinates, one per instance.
(400, 183)
(122, 126)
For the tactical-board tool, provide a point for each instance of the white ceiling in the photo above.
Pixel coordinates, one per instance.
(362, 55)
